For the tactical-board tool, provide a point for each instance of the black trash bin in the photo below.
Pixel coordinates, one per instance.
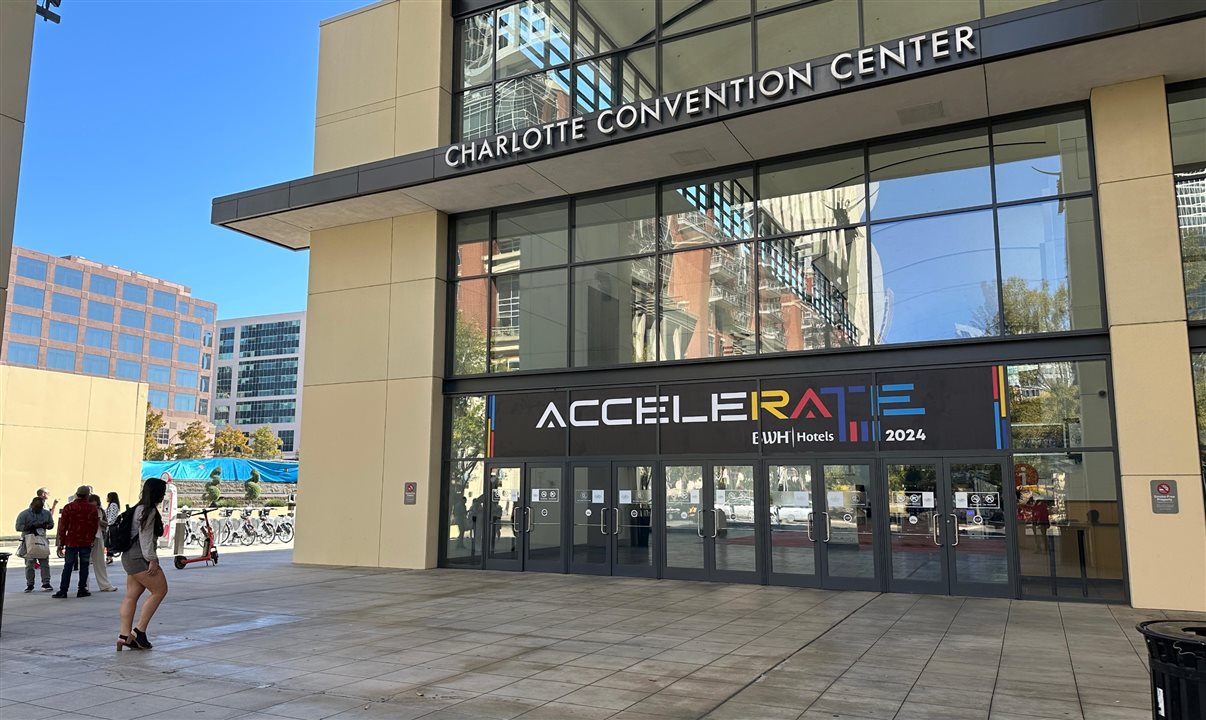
(1176, 650)
(3, 576)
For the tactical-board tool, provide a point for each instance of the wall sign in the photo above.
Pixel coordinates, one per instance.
(948, 409)
(1164, 497)
(410, 493)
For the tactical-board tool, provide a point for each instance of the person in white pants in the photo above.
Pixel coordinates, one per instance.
(99, 569)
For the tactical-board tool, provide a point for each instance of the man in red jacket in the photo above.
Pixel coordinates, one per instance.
(78, 521)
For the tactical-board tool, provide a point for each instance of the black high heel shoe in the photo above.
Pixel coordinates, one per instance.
(140, 639)
(124, 641)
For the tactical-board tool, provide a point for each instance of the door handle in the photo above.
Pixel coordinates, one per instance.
(808, 527)
(616, 521)
(828, 527)
(934, 530)
(602, 520)
(699, 522)
(955, 520)
(528, 514)
(715, 524)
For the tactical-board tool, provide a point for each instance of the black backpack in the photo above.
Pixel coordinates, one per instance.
(121, 533)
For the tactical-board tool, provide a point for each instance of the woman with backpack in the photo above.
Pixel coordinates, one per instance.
(141, 564)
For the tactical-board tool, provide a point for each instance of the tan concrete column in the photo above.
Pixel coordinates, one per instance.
(1153, 387)
(375, 323)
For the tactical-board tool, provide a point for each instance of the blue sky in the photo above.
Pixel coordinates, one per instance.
(141, 112)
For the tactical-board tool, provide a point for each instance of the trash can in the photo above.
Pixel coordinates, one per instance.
(3, 576)
(1176, 650)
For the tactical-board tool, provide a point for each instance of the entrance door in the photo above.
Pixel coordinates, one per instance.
(524, 520)
(711, 521)
(793, 557)
(947, 527)
(613, 511)
(846, 492)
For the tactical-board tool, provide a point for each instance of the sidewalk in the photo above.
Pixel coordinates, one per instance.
(260, 639)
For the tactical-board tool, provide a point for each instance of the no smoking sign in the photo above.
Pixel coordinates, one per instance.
(1164, 497)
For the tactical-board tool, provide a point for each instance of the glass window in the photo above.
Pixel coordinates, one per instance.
(286, 437)
(707, 210)
(203, 407)
(1059, 405)
(65, 304)
(28, 267)
(102, 285)
(935, 278)
(265, 412)
(64, 332)
(68, 277)
(1050, 280)
(813, 291)
(706, 307)
(100, 311)
(22, 324)
(472, 233)
(204, 386)
(266, 378)
(614, 312)
(682, 15)
(823, 192)
(188, 354)
(207, 338)
(159, 374)
(611, 81)
(531, 237)
(475, 41)
(223, 387)
(57, 359)
(474, 114)
(206, 361)
(129, 369)
(134, 293)
(529, 321)
(186, 378)
(604, 25)
(806, 33)
(164, 300)
(469, 338)
(190, 330)
(97, 338)
(532, 100)
(161, 349)
(96, 364)
(129, 344)
(701, 59)
(182, 307)
(133, 318)
(158, 399)
(891, 19)
(1187, 118)
(1199, 389)
(468, 426)
(921, 176)
(272, 338)
(23, 354)
(466, 498)
(617, 224)
(226, 339)
(221, 415)
(206, 314)
(1068, 525)
(32, 297)
(163, 324)
(532, 35)
(1041, 157)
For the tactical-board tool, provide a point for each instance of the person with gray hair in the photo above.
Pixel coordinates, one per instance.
(36, 518)
(78, 522)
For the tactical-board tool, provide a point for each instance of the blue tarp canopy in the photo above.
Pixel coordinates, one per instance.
(233, 469)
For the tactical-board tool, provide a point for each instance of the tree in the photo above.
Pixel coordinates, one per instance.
(468, 346)
(252, 487)
(193, 442)
(230, 442)
(1027, 309)
(265, 445)
(151, 450)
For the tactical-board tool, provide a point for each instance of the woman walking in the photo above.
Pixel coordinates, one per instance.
(142, 567)
(112, 510)
(99, 569)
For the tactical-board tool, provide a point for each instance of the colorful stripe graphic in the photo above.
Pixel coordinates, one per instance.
(998, 406)
(489, 426)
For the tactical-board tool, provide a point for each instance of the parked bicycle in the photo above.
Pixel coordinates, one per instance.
(265, 529)
(284, 528)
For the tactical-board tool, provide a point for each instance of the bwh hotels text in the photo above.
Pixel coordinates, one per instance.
(794, 80)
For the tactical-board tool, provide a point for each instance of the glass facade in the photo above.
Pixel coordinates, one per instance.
(97, 338)
(134, 293)
(222, 391)
(31, 268)
(64, 304)
(266, 378)
(22, 324)
(102, 285)
(226, 339)
(22, 354)
(132, 318)
(64, 332)
(262, 339)
(31, 297)
(128, 369)
(265, 412)
(68, 277)
(96, 364)
(1187, 119)
(893, 243)
(100, 311)
(58, 359)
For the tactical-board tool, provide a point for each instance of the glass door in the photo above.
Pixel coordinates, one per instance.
(847, 498)
(503, 514)
(523, 517)
(633, 511)
(980, 541)
(542, 519)
(731, 537)
(590, 541)
(916, 527)
(685, 547)
(791, 524)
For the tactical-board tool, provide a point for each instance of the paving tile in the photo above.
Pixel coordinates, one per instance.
(573, 674)
(476, 682)
(494, 707)
(675, 706)
(640, 682)
(564, 711)
(734, 710)
(314, 707)
(603, 697)
(926, 711)
(536, 689)
(138, 706)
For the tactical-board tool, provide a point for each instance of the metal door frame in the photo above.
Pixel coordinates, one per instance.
(782, 578)
(1010, 588)
(553, 566)
(586, 568)
(653, 569)
(877, 506)
(939, 534)
(489, 563)
(755, 576)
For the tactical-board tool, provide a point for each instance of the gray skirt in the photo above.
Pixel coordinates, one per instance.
(132, 560)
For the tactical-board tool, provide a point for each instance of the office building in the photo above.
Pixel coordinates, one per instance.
(855, 294)
(258, 378)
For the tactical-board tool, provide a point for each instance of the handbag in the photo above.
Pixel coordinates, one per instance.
(35, 545)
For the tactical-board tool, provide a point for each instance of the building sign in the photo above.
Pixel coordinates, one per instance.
(1164, 497)
(950, 409)
(868, 63)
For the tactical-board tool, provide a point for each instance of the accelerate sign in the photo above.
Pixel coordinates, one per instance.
(794, 81)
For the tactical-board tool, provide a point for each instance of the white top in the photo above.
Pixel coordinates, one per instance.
(146, 540)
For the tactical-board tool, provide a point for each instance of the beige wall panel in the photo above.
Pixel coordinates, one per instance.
(48, 399)
(413, 427)
(11, 138)
(1141, 250)
(347, 335)
(16, 46)
(113, 407)
(338, 520)
(1128, 118)
(39, 457)
(1153, 400)
(350, 256)
(420, 247)
(357, 59)
(113, 462)
(416, 328)
(360, 139)
(424, 42)
(423, 121)
(1166, 554)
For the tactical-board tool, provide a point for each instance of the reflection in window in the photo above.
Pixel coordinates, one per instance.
(101, 285)
(67, 332)
(811, 194)
(806, 33)
(943, 173)
(682, 15)
(531, 237)
(1187, 118)
(134, 293)
(707, 303)
(32, 297)
(1199, 391)
(532, 35)
(616, 224)
(469, 327)
(935, 278)
(813, 291)
(96, 364)
(25, 354)
(475, 114)
(1059, 405)
(891, 19)
(475, 40)
(614, 80)
(1067, 529)
(69, 277)
(468, 426)
(529, 330)
(532, 100)
(467, 506)
(613, 313)
(58, 359)
(472, 234)
(1050, 281)
(1041, 157)
(707, 210)
(31, 268)
(701, 59)
(99, 311)
(604, 25)
(21, 324)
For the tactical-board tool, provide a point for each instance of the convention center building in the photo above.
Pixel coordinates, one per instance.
(884, 295)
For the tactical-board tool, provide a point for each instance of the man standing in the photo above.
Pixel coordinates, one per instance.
(37, 517)
(78, 523)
